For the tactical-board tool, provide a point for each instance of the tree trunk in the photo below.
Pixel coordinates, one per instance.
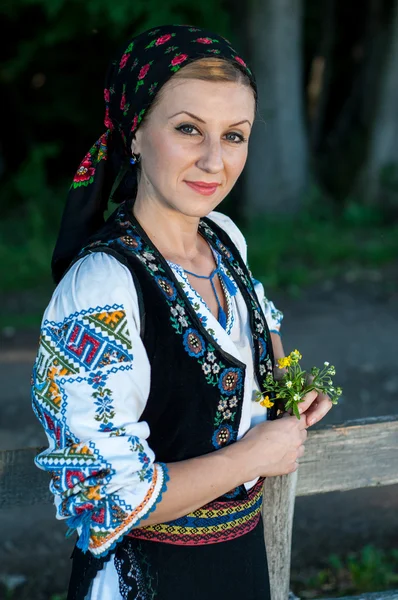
(383, 145)
(277, 169)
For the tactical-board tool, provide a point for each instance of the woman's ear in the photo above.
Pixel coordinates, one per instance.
(135, 143)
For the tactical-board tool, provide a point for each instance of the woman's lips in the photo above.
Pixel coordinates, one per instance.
(205, 190)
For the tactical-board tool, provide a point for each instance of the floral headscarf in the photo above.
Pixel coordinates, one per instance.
(133, 81)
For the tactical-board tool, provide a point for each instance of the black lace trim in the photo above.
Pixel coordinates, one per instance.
(132, 582)
(132, 566)
(84, 569)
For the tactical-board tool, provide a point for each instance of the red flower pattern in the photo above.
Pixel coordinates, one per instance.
(123, 61)
(123, 102)
(177, 60)
(144, 71)
(240, 61)
(107, 95)
(163, 39)
(107, 121)
(135, 123)
(85, 171)
(204, 41)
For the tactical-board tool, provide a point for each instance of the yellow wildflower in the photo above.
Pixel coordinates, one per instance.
(284, 362)
(295, 356)
(266, 402)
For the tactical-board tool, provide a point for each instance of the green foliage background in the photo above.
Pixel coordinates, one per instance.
(51, 84)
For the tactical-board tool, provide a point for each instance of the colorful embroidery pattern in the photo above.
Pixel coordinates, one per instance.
(262, 348)
(85, 174)
(197, 301)
(213, 523)
(83, 352)
(276, 315)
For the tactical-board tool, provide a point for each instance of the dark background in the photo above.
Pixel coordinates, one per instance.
(318, 203)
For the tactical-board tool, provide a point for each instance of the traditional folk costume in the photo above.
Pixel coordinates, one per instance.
(134, 372)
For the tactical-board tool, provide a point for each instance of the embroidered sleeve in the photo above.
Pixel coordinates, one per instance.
(272, 314)
(90, 385)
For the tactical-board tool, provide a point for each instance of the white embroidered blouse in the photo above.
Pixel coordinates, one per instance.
(91, 382)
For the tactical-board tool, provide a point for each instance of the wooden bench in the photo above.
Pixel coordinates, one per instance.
(333, 461)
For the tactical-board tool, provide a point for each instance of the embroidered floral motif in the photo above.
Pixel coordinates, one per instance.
(103, 399)
(136, 447)
(194, 344)
(177, 61)
(240, 61)
(137, 119)
(167, 287)
(161, 40)
(171, 49)
(126, 56)
(223, 435)
(230, 381)
(135, 63)
(142, 74)
(152, 88)
(86, 171)
(205, 40)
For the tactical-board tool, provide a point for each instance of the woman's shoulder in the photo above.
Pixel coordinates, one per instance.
(96, 280)
(230, 227)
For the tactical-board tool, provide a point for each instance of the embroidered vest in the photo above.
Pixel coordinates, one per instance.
(193, 379)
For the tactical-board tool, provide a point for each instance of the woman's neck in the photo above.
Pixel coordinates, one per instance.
(174, 234)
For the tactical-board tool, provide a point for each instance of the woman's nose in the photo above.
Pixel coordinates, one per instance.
(211, 159)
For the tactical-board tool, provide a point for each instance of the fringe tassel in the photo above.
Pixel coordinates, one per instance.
(228, 283)
(83, 521)
(222, 317)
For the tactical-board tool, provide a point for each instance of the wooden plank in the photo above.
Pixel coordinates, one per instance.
(361, 453)
(278, 507)
(354, 454)
(388, 595)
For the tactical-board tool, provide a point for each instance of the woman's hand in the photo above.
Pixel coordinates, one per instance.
(274, 446)
(315, 405)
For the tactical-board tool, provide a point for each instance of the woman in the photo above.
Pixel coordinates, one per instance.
(157, 337)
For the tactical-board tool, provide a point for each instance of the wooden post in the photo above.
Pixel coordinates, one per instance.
(278, 508)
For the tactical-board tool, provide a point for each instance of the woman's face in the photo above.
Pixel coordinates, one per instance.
(197, 134)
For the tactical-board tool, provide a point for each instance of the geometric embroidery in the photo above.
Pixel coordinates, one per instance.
(213, 523)
(88, 341)
(75, 352)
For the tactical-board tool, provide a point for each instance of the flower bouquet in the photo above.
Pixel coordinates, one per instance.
(295, 384)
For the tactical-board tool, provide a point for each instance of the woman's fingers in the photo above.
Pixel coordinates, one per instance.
(308, 400)
(318, 409)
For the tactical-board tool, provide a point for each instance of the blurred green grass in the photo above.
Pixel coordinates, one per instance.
(371, 569)
(285, 253)
(282, 251)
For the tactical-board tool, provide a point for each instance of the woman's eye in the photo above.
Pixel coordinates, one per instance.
(187, 129)
(238, 138)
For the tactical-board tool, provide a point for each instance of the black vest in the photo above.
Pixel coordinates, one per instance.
(196, 393)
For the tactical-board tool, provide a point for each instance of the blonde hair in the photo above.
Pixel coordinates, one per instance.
(208, 69)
